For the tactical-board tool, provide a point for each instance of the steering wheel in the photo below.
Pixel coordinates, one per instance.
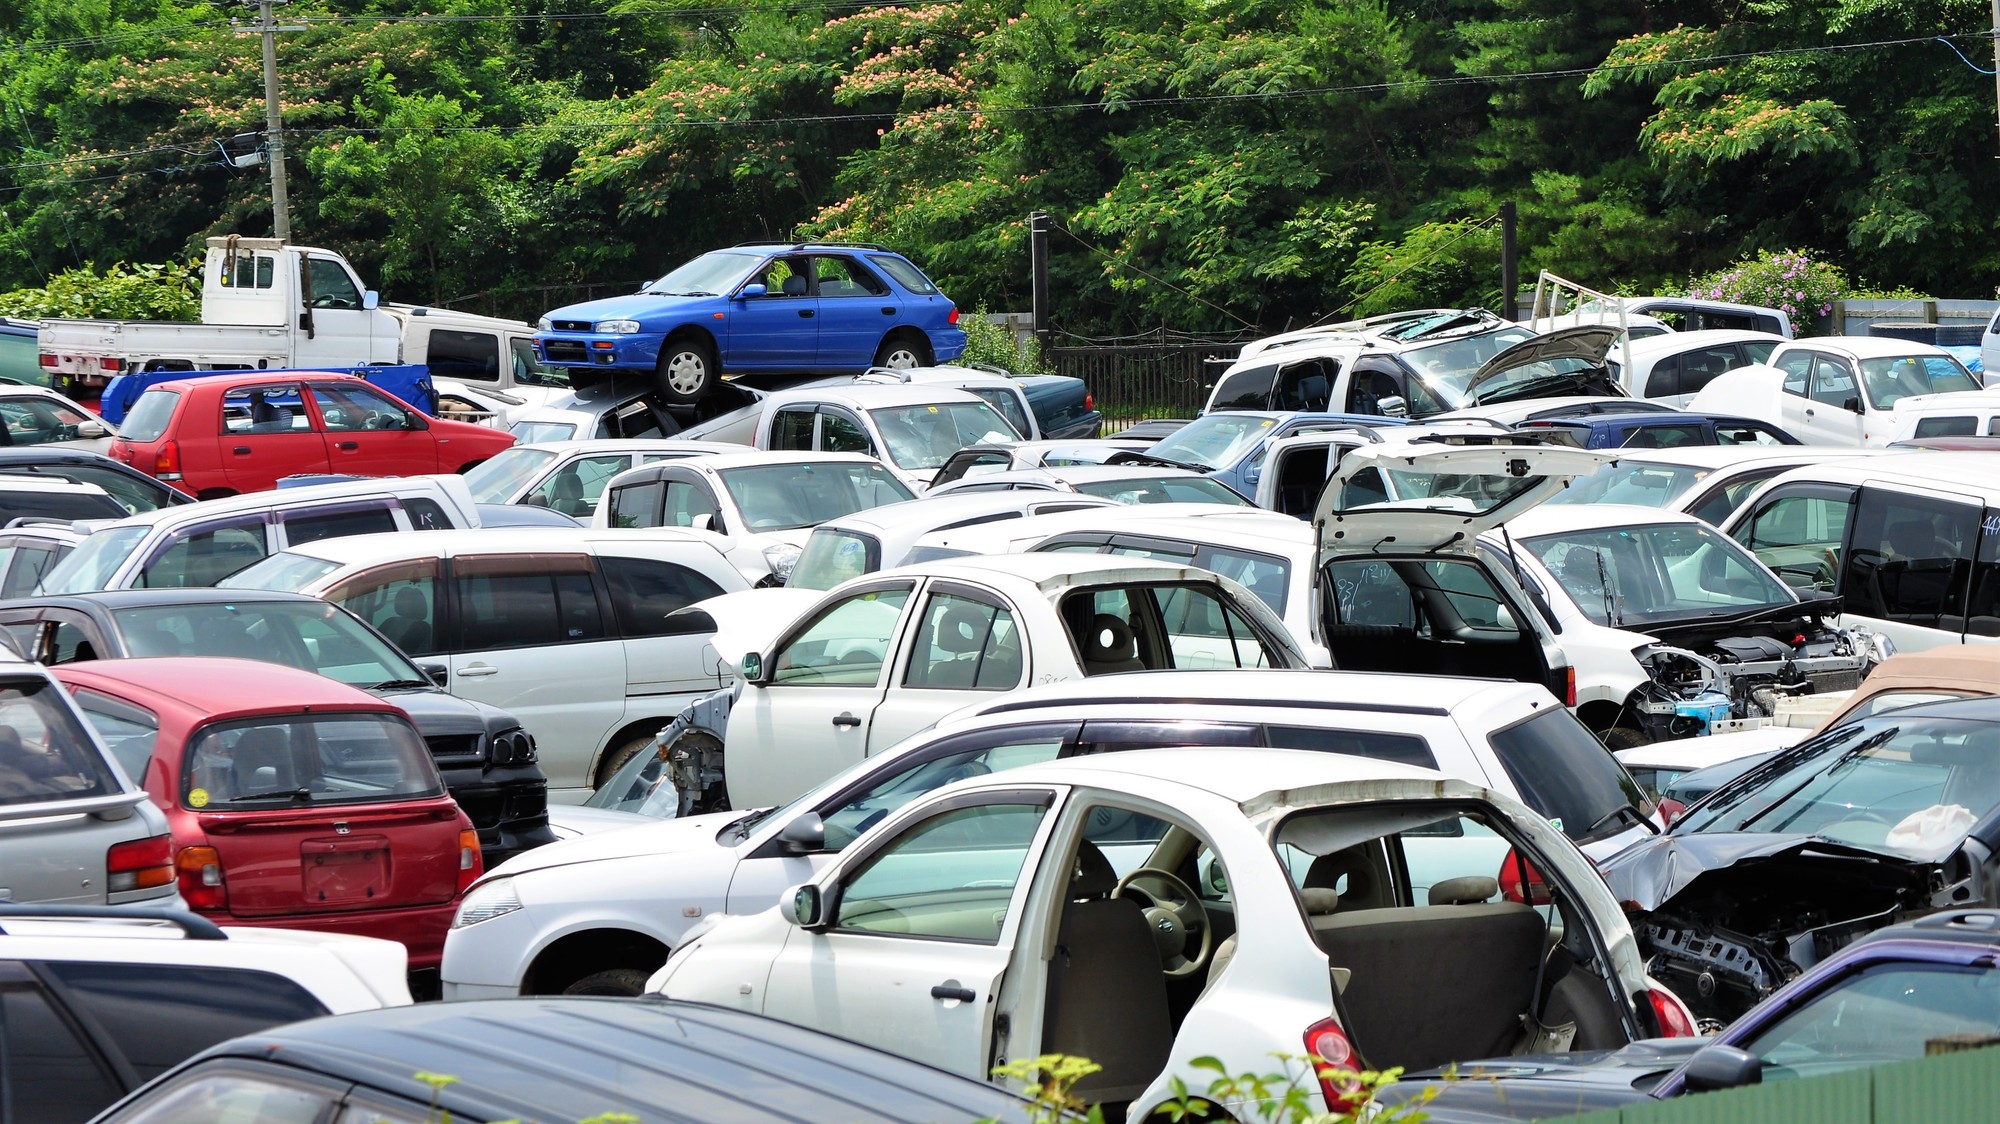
(375, 421)
(1173, 922)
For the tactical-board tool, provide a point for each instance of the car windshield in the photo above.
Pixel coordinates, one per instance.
(535, 432)
(923, 437)
(1631, 577)
(1890, 380)
(313, 636)
(1214, 440)
(96, 559)
(286, 572)
(37, 421)
(1902, 783)
(281, 761)
(501, 478)
(784, 497)
(1164, 489)
(1642, 483)
(832, 556)
(1448, 366)
(45, 755)
(706, 276)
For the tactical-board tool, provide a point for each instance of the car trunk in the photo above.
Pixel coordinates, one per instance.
(290, 861)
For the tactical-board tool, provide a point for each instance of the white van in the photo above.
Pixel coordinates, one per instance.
(199, 544)
(1835, 390)
(570, 629)
(1910, 540)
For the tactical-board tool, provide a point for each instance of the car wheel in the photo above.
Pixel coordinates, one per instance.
(1623, 737)
(902, 351)
(627, 982)
(687, 369)
(616, 759)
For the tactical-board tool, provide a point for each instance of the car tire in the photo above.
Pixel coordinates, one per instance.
(623, 982)
(903, 350)
(687, 369)
(616, 758)
(1623, 737)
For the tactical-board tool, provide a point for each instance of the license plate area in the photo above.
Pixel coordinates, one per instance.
(347, 870)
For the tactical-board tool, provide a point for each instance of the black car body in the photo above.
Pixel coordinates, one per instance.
(552, 1059)
(130, 487)
(1880, 820)
(487, 760)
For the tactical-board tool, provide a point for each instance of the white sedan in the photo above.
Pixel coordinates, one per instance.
(1152, 908)
(569, 476)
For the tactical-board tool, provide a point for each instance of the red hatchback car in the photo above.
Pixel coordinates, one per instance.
(295, 801)
(223, 434)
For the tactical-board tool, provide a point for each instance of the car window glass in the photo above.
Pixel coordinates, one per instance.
(846, 645)
(1266, 575)
(1962, 425)
(1664, 379)
(1245, 390)
(792, 428)
(1758, 351)
(328, 285)
(463, 355)
(1720, 503)
(1665, 436)
(687, 501)
(1909, 556)
(844, 277)
(1884, 1013)
(832, 556)
(1699, 367)
(305, 760)
(24, 570)
(1205, 631)
(425, 514)
(1799, 538)
(1403, 749)
(250, 411)
(231, 1098)
(1832, 382)
(69, 643)
(1890, 380)
(1561, 770)
(637, 505)
(312, 526)
(1797, 366)
(149, 417)
(159, 1018)
(906, 274)
(574, 488)
(805, 493)
(839, 433)
(856, 814)
(951, 876)
(352, 408)
(51, 1075)
(1745, 433)
(963, 644)
(1632, 576)
(645, 590)
(1891, 700)
(524, 606)
(400, 601)
(205, 557)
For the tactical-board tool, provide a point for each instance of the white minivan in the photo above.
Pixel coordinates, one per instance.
(571, 630)
(1835, 390)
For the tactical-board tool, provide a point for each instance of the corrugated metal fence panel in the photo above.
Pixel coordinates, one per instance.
(1937, 1090)
(1132, 383)
(1946, 1089)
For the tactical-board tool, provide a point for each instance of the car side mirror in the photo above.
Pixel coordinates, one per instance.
(1393, 406)
(807, 907)
(370, 299)
(751, 290)
(703, 522)
(1721, 1067)
(753, 668)
(804, 835)
(436, 672)
(1253, 474)
(92, 428)
(1852, 405)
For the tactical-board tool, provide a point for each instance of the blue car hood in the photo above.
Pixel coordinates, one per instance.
(632, 306)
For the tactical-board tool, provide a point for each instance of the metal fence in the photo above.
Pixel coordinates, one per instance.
(530, 302)
(1942, 1089)
(1134, 382)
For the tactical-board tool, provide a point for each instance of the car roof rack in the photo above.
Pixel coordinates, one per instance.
(196, 928)
(811, 245)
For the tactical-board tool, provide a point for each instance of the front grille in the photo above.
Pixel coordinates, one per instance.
(453, 749)
(565, 351)
(573, 325)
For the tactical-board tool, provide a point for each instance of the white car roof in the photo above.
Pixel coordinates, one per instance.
(871, 396)
(936, 511)
(596, 445)
(1236, 774)
(1950, 400)
(1290, 691)
(350, 550)
(23, 482)
(1652, 347)
(997, 535)
(1867, 347)
(1220, 525)
(1048, 571)
(746, 457)
(286, 497)
(1555, 519)
(1730, 456)
(1935, 469)
(1085, 473)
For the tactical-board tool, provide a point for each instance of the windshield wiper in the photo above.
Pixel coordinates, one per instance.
(1862, 746)
(394, 684)
(742, 826)
(1611, 614)
(1613, 816)
(286, 794)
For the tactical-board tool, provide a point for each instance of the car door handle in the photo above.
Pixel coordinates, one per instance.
(846, 720)
(477, 671)
(953, 991)
(888, 310)
(806, 312)
(1809, 413)
(347, 444)
(241, 450)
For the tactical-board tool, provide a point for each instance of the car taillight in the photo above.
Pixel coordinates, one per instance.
(952, 316)
(1672, 1015)
(167, 461)
(201, 878)
(470, 866)
(1569, 686)
(1521, 882)
(47, 359)
(110, 365)
(139, 864)
(1332, 1057)
(1089, 400)
(1670, 810)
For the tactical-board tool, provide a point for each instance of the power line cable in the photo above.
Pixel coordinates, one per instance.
(1125, 264)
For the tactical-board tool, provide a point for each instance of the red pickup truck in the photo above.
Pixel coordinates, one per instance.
(221, 435)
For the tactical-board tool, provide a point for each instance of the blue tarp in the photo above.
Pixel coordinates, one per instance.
(410, 382)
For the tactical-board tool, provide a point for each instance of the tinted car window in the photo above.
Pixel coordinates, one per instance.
(24, 504)
(465, 355)
(1403, 749)
(148, 417)
(157, 1018)
(30, 562)
(526, 610)
(44, 752)
(312, 526)
(425, 515)
(205, 557)
(51, 1075)
(1566, 774)
(300, 760)
(906, 275)
(644, 591)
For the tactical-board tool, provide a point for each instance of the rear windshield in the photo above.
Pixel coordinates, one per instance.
(1566, 774)
(498, 480)
(91, 566)
(832, 557)
(45, 755)
(1166, 489)
(287, 572)
(148, 418)
(533, 432)
(290, 761)
(784, 497)
(907, 275)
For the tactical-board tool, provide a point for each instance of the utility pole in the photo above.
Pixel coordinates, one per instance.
(1510, 276)
(1038, 270)
(1996, 60)
(274, 122)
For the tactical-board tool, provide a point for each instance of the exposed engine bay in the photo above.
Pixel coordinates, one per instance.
(1697, 680)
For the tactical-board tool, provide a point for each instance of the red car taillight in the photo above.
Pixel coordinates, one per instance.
(1521, 882)
(1332, 1058)
(1089, 400)
(139, 864)
(470, 865)
(1670, 810)
(201, 878)
(167, 461)
(1671, 1014)
(952, 316)
(1569, 686)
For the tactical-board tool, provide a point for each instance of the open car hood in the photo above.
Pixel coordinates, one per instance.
(1589, 344)
(1412, 498)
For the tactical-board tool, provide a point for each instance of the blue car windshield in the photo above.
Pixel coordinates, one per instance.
(1214, 441)
(709, 275)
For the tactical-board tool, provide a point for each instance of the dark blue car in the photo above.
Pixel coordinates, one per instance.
(1658, 430)
(797, 308)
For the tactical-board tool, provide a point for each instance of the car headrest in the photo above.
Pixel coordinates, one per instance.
(1319, 899)
(1094, 876)
(1465, 890)
(963, 628)
(1110, 639)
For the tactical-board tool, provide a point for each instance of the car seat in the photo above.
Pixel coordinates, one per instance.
(410, 628)
(1110, 647)
(566, 495)
(266, 417)
(263, 762)
(795, 285)
(960, 634)
(1107, 994)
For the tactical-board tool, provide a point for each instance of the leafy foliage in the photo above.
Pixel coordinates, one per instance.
(1790, 280)
(121, 292)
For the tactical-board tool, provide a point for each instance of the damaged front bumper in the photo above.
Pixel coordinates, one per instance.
(1690, 693)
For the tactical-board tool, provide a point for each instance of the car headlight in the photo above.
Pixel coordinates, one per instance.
(513, 747)
(486, 901)
(543, 325)
(618, 327)
(781, 558)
